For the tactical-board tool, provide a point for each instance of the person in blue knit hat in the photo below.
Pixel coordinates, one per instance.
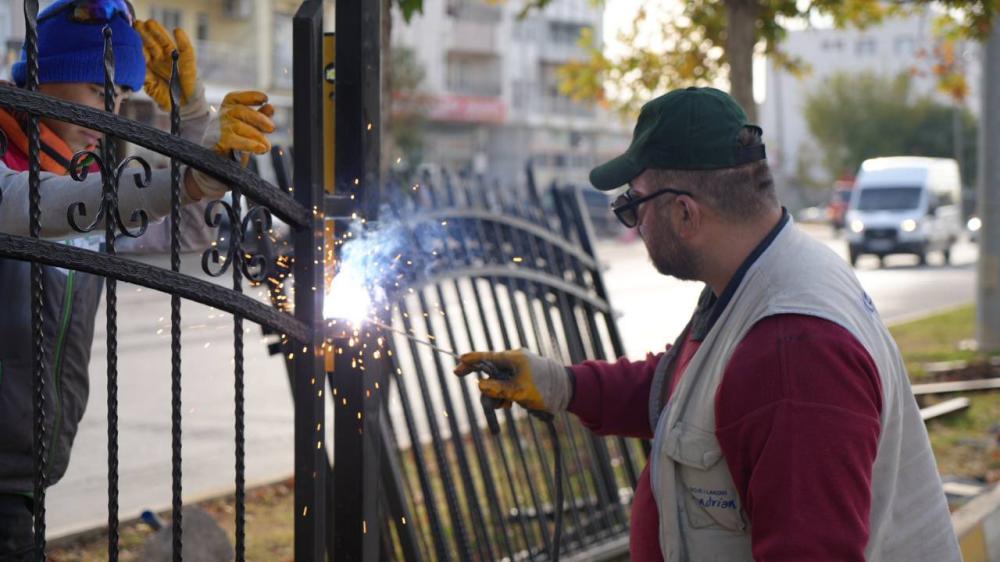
(70, 60)
(71, 68)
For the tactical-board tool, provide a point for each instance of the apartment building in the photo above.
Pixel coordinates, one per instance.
(491, 80)
(902, 44)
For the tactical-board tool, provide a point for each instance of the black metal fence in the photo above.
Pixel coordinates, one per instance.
(416, 472)
(240, 259)
(491, 268)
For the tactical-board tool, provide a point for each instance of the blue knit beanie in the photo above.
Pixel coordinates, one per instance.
(70, 51)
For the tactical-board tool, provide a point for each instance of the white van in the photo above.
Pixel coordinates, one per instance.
(905, 205)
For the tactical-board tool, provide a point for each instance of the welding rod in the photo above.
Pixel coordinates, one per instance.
(413, 338)
(489, 404)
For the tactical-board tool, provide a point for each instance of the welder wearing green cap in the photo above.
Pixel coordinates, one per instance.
(782, 419)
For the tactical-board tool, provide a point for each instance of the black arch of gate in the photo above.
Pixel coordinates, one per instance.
(495, 268)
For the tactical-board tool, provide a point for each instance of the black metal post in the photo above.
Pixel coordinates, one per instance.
(356, 521)
(310, 458)
(358, 103)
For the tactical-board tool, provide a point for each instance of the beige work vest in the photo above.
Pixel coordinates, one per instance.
(701, 517)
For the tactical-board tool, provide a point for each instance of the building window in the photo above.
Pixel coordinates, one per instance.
(867, 46)
(169, 17)
(201, 29)
(904, 45)
(832, 45)
(474, 75)
(550, 79)
(565, 33)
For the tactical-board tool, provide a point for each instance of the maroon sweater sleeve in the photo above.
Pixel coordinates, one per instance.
(613, 398)
(797, 416)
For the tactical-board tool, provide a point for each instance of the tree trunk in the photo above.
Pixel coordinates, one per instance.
(741, 36)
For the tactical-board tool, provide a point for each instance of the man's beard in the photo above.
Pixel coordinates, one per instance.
(668, 254)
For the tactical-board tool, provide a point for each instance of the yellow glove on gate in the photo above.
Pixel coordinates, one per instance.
(157, 45)
(239, 129)
(242, 128)
(537, 383)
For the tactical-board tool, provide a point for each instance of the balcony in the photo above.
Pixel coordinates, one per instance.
(562, 105)
(474, 10)
(474, 75)
(533, 101)
(473, 37)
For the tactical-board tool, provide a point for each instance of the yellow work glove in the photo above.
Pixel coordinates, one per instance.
(157, 46)
(537, 383)
(240, 129)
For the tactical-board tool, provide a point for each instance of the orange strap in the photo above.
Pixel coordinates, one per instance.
(17, 138)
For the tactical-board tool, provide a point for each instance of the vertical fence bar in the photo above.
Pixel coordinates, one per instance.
(416, 447)
(465, 473)
(526, 243)
(175, 316)
(511, 287)
(463, 259)
(481, 239)
(37, 289)
(310, 458)
(396, 487)
(236, 238)
(110, 212)
(461, 537)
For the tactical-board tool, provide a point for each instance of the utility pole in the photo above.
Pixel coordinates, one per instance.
(988, 199)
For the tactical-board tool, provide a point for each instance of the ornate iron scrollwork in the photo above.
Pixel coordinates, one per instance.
(255, 258)
(213, 218)
(80, 168)
(142, 181)
(258, 259)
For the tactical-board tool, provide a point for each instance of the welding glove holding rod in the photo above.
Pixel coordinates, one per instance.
(537, 383)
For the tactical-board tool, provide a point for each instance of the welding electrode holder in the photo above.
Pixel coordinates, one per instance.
(490, 404)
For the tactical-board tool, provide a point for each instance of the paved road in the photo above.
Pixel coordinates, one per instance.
(79, 500)
(654, 309)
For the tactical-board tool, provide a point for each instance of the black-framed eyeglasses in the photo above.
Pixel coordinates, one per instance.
(94, 11)
(626, 206)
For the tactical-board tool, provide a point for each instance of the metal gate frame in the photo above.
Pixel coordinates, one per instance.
(303, 329)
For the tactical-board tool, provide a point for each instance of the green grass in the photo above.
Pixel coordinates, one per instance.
(936, 338)
(962, 442)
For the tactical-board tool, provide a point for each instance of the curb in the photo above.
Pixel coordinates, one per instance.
(977, 526)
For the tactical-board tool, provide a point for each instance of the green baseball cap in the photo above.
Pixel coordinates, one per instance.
(687, 129)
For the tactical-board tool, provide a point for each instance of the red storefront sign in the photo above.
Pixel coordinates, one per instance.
(467, 109)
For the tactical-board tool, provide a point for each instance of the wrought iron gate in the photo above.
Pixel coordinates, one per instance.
(492, 268)
(246, 257)
(416, 474)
